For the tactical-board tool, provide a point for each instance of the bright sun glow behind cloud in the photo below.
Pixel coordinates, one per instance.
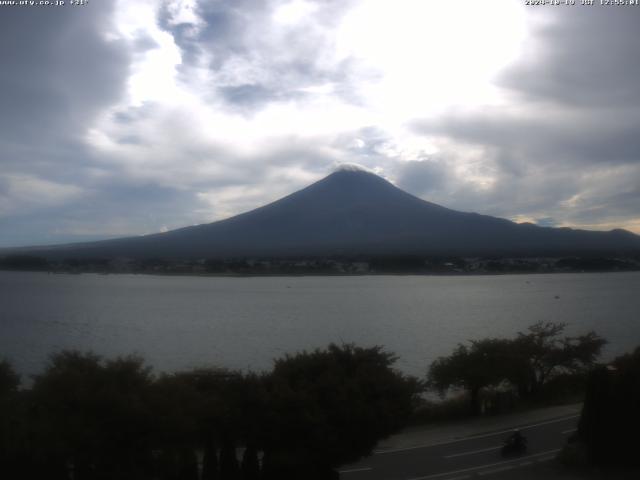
(416, 58)
(432, 54)
(153, 72)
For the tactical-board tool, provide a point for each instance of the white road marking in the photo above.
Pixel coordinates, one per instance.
(496, 470)
(480, 467)
(473, 437)
(545, 459)
(353, 470)
(569, 431)
(472, 452)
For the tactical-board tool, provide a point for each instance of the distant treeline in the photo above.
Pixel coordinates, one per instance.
(336, 265)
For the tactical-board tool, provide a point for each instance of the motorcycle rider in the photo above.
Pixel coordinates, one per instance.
(517, 439)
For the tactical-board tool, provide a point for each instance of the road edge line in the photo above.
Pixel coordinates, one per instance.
(472, 437)
(471, 469)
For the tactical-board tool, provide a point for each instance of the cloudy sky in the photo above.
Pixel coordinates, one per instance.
(131, 117)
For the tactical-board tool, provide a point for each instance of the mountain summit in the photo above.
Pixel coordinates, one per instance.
(354, 212)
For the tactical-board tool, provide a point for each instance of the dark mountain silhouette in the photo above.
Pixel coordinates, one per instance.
(354, 213)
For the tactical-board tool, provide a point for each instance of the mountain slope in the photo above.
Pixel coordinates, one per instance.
(354, 212)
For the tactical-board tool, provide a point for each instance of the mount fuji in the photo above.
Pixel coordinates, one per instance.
(353, 212)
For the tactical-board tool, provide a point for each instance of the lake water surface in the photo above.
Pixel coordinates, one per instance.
(182, 322)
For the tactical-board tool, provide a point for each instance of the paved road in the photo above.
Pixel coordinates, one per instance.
(472, 457)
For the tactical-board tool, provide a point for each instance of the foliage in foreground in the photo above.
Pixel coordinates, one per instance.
(527, 363)
(89, 418)
(610, 420)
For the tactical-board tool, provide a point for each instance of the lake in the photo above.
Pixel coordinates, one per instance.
(180, 322)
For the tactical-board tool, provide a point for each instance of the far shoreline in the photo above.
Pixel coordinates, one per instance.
(317, 275)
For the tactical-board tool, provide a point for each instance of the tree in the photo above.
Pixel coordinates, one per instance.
(527, 362)
(93, 416)
(92, 419)
(472, 368)
(250, 466)
(9, 379)
(541, 353)
(610, 416)
(329, 407)
(208, 409)
(10, 426)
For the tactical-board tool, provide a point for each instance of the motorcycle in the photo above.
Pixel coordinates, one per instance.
(514, 445)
